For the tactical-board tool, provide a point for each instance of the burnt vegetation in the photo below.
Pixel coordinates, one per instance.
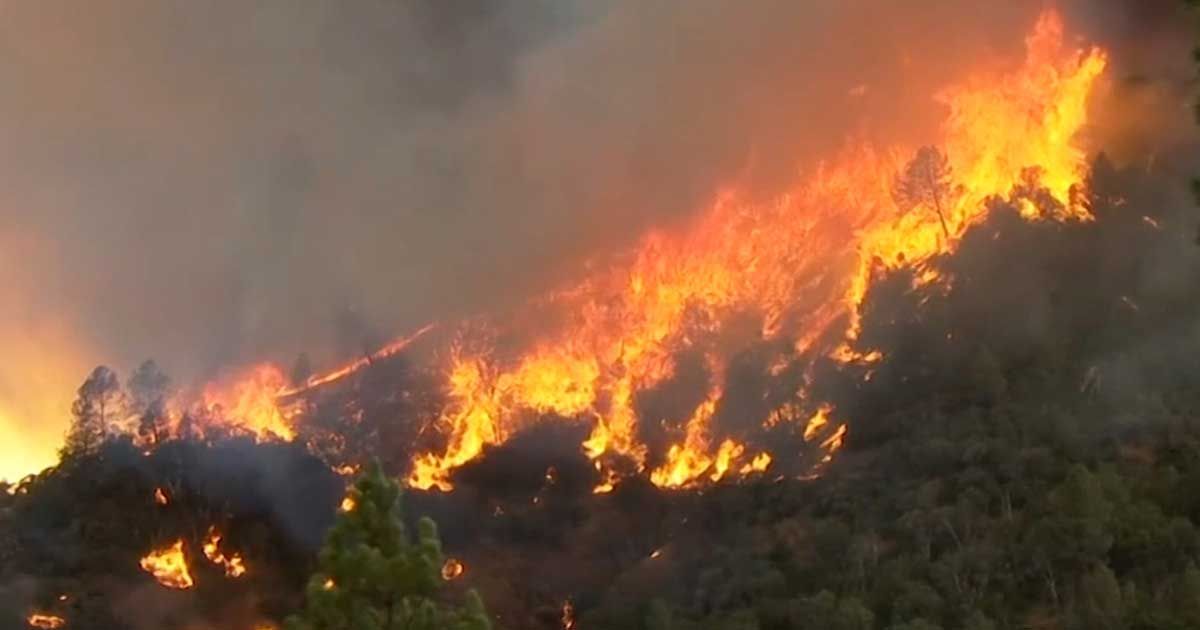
(1025, 455)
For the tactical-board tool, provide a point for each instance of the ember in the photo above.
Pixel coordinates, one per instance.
(452, 568)
(45, 621)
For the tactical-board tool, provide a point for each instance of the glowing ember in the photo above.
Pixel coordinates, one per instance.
(233, 565)
(347, 505)
(568, 615)
(803, 261)
(45, 621)
(169, 566)
(160, 497)
(452, 569)
(328, 584)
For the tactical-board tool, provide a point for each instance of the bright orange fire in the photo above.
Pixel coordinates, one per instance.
(803, 262)
(251, 402)
(45, 621)
(169, 566)
(233, 565)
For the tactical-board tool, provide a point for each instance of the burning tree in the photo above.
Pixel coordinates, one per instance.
(926, 182)
(371, 576)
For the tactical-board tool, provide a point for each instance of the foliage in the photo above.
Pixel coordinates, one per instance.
(370, 576)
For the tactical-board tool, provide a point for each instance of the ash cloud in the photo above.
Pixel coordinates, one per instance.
(215, 183)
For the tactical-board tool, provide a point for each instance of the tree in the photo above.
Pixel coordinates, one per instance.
(146, 385)
(371, 576)
(148, 389)
(926, 182)
(1099, 596)
(96, 404)
(302, 370)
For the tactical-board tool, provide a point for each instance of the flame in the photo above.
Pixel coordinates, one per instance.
(803, 261)
(452, 569)
(348, 504)
(233, 565)
(160, 497)
(391, 349)
(251, 402)
(169, 566)
(760, 463)
(568, 615)
(45, 621)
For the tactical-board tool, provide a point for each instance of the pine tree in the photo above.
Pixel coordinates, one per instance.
(371, 576)
(149, 388)
(97, 404)
(926, 182)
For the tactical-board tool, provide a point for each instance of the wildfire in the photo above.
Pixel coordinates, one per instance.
(233, 565)
(252, 403)
(452, 568)
(45, 621)
(803, 261)
(390, 349)
(169, 566)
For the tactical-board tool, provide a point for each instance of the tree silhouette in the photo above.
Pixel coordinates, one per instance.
(301, 370)
(148, 389)
(371, 576)
(926, 182)
(97, 403)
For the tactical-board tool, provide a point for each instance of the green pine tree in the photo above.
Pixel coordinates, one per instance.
(371, 576)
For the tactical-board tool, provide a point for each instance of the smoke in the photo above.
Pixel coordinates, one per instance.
(222, 183)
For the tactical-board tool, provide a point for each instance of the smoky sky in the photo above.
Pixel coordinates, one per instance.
(213, 183)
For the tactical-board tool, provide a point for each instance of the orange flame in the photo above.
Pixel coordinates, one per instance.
(233, 565)
(251, 402)
(45, 621)
(160, 497)
(169, 566)
(803, 261)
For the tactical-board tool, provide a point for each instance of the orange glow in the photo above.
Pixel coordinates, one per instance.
(251, 402)
(169, 566)
(46, 621)
(568, 615)
(802, 261)
(760, 463)
(160, 497)
(348, 504)
(233, 565)
(452, 569)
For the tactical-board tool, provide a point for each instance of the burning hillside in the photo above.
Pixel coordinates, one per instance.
(938, 376)
(784, 277)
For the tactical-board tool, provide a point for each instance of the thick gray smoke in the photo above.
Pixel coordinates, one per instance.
(221, 182)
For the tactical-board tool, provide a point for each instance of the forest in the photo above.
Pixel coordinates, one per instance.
(1026, 456)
